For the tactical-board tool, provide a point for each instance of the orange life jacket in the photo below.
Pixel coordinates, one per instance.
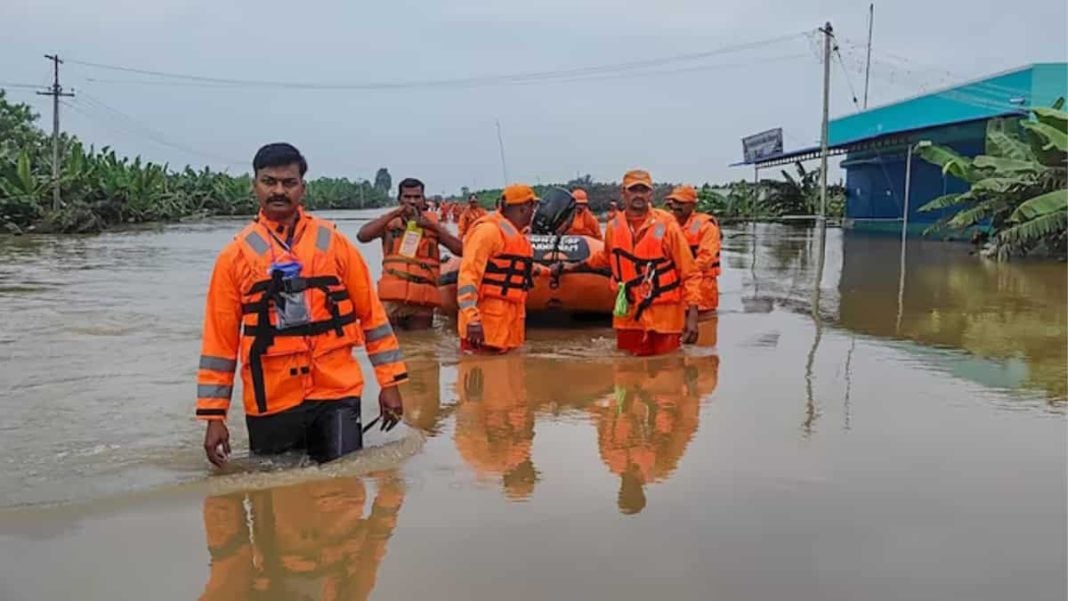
(693, 237)
(332, 318)
(648, 275)
(412, 280)
(508, 273)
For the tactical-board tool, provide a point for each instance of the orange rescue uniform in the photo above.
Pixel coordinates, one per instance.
(494, 431)
(300, 541)
(281, 368)
(410, 280)
(495, 274)
(644, 429)
(703, 237)
(585, 224)
(468, 217)
(652, 260)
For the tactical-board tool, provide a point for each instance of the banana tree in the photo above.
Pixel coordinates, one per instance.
(21, 192)
(1019, 188)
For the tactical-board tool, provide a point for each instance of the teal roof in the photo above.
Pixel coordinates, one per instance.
(1011, 92)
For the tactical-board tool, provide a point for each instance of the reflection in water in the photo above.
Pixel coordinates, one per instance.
(422, 396)
(495, 421)
(306, 541)
(644, 412)
(1008, 312)
(645, 426)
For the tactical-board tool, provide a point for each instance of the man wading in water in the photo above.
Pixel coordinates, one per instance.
(291, 297)
(411, 260)
(655, 274)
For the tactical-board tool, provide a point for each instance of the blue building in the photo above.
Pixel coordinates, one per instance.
(876, 142)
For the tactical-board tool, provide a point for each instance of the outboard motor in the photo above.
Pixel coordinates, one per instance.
(556, 209)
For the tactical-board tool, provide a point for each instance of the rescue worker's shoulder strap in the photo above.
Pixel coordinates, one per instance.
(251, 240)
(699, 221)
(323, 231)
(488, 221)
(507, 228)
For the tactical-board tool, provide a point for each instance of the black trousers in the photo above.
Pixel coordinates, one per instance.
(326, 430)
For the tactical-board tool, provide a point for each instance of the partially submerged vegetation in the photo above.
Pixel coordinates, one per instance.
(99, 188)
(1019, 188)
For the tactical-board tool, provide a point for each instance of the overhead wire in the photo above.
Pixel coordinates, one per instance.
(845, 73)
(522, 77)
(977, 94)
(582, 79)
(27, 86)
(99, 112)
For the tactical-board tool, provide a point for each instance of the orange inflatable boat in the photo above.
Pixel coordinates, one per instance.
(578, 293)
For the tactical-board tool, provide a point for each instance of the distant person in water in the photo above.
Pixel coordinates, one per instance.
(584, 223)
(471, 213)
(613, 208)
(291, 297)
(411, 260)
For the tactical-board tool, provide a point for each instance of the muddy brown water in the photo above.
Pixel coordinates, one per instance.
(906, 440)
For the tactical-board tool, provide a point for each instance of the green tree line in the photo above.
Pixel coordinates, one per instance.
(742, 200)
(99, 188)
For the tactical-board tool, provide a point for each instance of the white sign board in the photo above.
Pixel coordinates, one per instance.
(763, 145)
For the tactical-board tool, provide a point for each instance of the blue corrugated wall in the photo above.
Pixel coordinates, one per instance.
(875, 180)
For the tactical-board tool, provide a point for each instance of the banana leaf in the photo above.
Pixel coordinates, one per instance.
(1031, 232)
(949, 160)
(1042, 205)
(972, 216)
(1002, 139)
(1055, 139)
(1000, 185)
(1006, 166)
(946, 201)
(1054, 117)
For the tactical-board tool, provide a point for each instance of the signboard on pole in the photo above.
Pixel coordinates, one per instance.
(763, 145)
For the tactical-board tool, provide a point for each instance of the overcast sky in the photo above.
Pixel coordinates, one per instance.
(681, 120)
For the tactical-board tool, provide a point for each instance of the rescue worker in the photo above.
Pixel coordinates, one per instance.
(703, 236)
(411, 260)
(291, 297)
(613, 209)
(645, 427)
(494, 431)
(653, 270)
(584, 222)
(496, 271)
(304, 541)
(471, 213)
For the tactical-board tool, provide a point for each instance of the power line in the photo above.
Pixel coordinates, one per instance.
(852, 91)
(582, 79)
(112, 118)
(455, 82)
(26, 86)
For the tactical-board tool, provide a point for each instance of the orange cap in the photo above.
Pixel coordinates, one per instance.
(518, 194)
(637, 177)
(683, 194)
(580, 196)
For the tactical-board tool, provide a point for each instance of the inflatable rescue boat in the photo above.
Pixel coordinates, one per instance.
(584, 292)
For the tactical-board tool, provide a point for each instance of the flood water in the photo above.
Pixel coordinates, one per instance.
(875, 437)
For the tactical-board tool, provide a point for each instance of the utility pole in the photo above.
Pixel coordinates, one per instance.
(500, 143)
(55, 92)
(828, 32)
(867, 69)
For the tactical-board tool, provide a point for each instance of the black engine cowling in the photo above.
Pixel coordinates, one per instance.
(556, 209)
